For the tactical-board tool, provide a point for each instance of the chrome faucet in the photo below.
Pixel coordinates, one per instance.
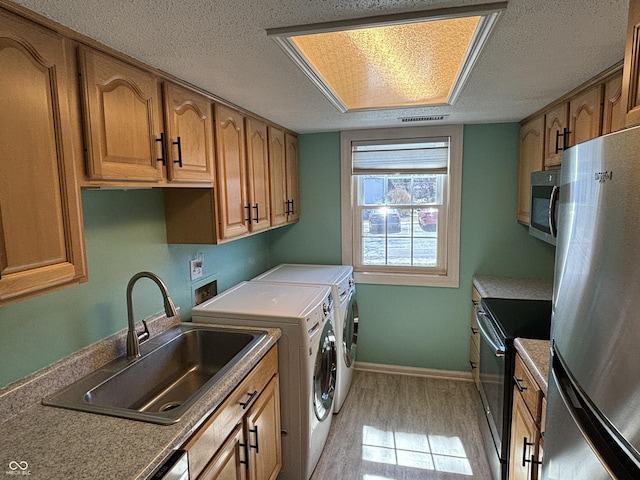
(134, 338)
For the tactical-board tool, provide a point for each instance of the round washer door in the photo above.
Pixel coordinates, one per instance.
(324, 373)
(350, 331)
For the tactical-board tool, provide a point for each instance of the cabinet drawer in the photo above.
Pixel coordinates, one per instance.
(529, 389)
(202, 446)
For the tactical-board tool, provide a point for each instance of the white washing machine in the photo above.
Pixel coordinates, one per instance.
(306, 356)
(343, 288)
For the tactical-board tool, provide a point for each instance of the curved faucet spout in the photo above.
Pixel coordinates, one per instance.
(133, 338)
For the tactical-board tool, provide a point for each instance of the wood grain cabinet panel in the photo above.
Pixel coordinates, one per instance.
(263, 434)
(242, 439)
(525, 438)
(531, 160)
(189, 135)
(259, 208)
(631, 71)
(277, 175)
(122, 119)
(613, 115)
(283, 165)
(231, 172)
(585, 115)
(555, 138)
(41, 244)
(291, 164)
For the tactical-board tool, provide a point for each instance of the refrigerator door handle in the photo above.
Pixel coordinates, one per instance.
(619, 458)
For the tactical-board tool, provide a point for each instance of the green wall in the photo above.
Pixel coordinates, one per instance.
(422, 326)
(125, 234)
(408, 326)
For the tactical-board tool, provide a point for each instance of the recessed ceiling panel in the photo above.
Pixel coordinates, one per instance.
(391, 62)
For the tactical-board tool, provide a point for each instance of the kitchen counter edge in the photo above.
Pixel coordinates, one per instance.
(514, 287)
(535, 354)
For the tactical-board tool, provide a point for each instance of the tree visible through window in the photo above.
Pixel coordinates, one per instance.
(399, 204)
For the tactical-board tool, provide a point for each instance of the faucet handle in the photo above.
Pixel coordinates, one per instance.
(142, 336)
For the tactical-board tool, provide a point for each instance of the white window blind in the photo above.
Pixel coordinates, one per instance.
(415, 157)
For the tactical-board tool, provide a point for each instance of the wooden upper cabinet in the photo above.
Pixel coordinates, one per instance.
(258, 175)
(231, 173)
(585, 115)
(613, 115)
(277, 174)
(531, 160)
(41, 243)
(283, 171)
(189, 135)
(556, 133)
(631, 72)
(291, 164)
(122, 119)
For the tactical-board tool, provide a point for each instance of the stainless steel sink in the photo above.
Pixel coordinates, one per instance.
(175, 369)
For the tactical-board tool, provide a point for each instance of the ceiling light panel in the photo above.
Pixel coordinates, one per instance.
(392, 61)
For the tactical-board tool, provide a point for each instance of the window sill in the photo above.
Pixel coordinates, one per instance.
(409, 279)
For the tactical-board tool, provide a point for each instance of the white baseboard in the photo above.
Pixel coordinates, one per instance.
(414, 371)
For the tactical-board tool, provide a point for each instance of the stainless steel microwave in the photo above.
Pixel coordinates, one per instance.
(544, 199)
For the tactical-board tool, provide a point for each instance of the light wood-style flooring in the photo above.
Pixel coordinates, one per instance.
(397, 427)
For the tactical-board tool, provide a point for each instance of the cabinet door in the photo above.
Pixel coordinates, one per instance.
(231, 173)
(277, 176)
(531, 160)
(230, 461)
(291, 165)
(263, 434)
(189, 135)
(613, 116)
(631, 71)
(41, 245)
(525, 437)
(474, 347)
(585, 115)
(556, 126)
(258, 175)
(122, 119)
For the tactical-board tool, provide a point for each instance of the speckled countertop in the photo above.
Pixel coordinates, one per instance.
(535, 354)
(512, 287)
(55, 443)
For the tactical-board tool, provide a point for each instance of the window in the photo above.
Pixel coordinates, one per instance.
(401, 204)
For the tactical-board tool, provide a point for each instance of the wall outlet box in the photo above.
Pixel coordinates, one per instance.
(195, 269)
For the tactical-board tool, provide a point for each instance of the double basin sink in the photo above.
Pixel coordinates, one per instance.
(176, 368)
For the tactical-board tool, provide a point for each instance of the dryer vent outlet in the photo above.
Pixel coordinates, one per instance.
(206, 292)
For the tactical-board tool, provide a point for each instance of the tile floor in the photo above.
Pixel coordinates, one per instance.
(396, 427)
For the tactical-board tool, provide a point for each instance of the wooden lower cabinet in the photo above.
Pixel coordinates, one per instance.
(525, 456)
(525, 439)
(229, 463)
(474, 342)
(241, 439)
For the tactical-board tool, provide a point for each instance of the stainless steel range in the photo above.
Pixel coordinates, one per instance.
(501, 321)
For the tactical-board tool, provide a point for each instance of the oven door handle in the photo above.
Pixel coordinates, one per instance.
(486, 330)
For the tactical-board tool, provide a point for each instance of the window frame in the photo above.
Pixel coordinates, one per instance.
(351, 239)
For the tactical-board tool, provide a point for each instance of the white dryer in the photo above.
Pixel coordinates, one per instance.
(306, 356)
(343, 289)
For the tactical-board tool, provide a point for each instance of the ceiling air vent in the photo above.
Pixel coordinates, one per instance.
(427, 118)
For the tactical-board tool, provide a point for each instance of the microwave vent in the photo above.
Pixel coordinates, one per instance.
(426, 118)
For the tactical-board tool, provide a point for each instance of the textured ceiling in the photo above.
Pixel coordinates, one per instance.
(539, 50)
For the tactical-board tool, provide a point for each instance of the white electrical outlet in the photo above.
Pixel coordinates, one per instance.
(195, 269)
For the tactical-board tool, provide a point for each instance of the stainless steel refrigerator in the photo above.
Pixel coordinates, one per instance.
(593, 418)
